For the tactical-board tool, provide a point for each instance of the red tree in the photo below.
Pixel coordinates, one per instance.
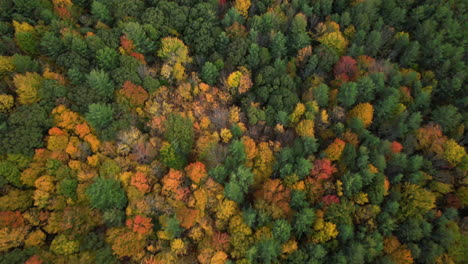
(345, 68)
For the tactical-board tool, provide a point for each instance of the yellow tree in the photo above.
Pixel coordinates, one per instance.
(6, 102)
(27, 87)
(363, 111)
(242, 7)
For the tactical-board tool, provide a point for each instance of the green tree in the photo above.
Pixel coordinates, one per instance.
(321, 94)
(101, 12)
(303, 221)
(99, 115)
(106, 194)
(210, 73)
(100, 81)
(107, 58)
(179, 133)
(347, 94)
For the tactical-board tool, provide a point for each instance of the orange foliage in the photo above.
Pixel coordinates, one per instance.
(65, 118)
(274, 192)
(398, 253)
(220, 241)
(323, 169)
(139, 224)
(35, 259)
(126, 243)
(127, 44)
(250, 147)
(396, 147)
(82, 130)
(140, 181)
(431, 138)
(171, 182)
(11, 219)
(196, 171)
(135, 94)
(187, 217)
(335, 149)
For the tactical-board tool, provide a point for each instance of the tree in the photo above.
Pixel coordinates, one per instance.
(303, 221)
(239, 183)
(321, 94)
(334, 40)
(101, 83)
(99, 115)
(299, 37)
(447, 117)
(364, 112)
(141, 225)
(106, 194)
(196, 172)
(346, 68)
(453, 152)
(415, 201)
(107, 58)
(27, 87)
(210, 73)
(278, 45)
(242, 6)
(174, 51)
(101, 12)
(179, 133)
(347, 94)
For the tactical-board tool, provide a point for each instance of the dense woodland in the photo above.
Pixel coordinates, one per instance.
(233, 131)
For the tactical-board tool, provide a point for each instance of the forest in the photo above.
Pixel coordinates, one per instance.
(233, 132)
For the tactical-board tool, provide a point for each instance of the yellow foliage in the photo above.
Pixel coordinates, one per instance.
(263, 163)
(242, 7)
(178, 246)
(35, 238)
(334, 40)
(219, 258)
(6, 65)
(22, 27)
(363, 111)
(296, 115)
(289, 247)
(27, 87)
(178, 72)
(11, 237)
(234, 114)
(174, 51)
(305, 128)
(57, 143)
(327, 232)
(6, 102)
(234, 79)
(226, 135)
(45, 183)
(361, 198)
(453, 152)
(226, 209)
(62, 3)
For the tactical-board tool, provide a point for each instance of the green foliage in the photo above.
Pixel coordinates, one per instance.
(107, 58)
(100, 82)
(99, 115)
(210, 73)
(106, 194)
(347, 94)
(179, 132)
(303, 221)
